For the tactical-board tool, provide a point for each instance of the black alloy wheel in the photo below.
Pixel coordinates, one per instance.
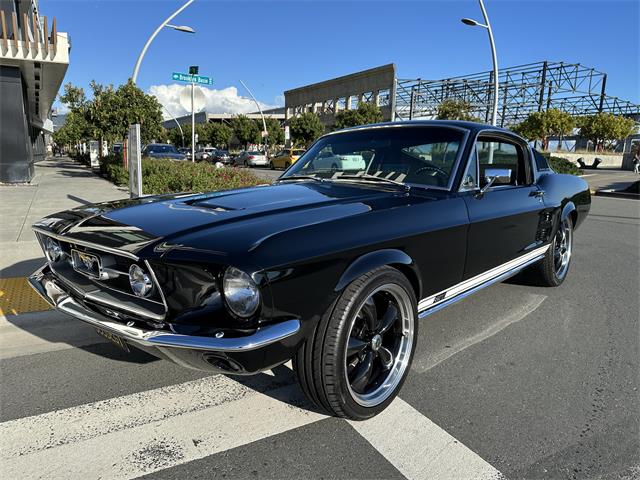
(360, 353)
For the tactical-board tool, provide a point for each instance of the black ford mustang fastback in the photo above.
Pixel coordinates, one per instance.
(332, 265)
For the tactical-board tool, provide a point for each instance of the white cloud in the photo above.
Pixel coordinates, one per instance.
(225, 100)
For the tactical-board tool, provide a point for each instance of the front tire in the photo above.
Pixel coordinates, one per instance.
(359, 355)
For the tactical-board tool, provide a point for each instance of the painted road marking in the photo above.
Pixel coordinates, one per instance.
(419, 448)
(17, 296)
(141, 438)
(145, 432)
(530, 304)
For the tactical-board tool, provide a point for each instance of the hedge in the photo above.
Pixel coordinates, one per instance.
(167, 176)
(561, 165)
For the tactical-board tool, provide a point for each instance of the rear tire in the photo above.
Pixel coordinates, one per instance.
(553, 269)
(358, 357)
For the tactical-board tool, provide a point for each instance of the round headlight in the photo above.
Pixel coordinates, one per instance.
(53, 249)
(140, 281)
(240, 292)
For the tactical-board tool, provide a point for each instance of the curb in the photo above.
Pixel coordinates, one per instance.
(616, 194)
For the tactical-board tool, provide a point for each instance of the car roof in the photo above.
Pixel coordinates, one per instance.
(474, 127)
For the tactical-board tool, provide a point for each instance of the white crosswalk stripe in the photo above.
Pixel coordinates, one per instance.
(141, 433)
(419, 448)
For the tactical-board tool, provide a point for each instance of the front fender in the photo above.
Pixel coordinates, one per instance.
(566, 210)
(381, 258)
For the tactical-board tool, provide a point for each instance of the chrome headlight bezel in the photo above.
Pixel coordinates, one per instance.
(52, 249)
(140, 281)
(241, 293)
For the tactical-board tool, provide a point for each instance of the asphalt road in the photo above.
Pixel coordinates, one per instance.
(517, 381)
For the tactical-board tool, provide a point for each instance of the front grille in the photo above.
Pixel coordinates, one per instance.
(108, 285)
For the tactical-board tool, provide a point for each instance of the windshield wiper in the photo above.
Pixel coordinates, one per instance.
(299, 177)
(369, 177)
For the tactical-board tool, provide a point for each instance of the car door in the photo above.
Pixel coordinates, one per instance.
(503, 220)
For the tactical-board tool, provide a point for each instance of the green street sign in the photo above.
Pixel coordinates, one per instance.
(185, 77)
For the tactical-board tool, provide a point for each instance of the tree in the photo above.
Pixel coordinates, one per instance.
(245, 130)
(111, 111)
(74, 131)
(276, 133)
(306, 128)
(175, 138)
(73, 97)
(365, 114)
(219, 134)
(544, 124)
(456, 110)
(604, 128)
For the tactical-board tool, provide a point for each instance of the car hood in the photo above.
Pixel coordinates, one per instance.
(228, 221)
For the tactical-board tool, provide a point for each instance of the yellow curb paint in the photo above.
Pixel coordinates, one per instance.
(17, 296)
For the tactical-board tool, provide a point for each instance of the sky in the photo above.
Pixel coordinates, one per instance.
(274, 46)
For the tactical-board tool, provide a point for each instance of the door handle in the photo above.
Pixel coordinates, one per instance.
(537, 193)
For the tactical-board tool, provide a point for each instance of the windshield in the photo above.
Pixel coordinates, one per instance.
(161, 149)
(424, 155)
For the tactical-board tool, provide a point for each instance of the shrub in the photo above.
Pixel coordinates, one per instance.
(561, 165)
(167, 176)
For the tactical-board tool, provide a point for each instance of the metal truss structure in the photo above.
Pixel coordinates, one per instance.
(570, 87)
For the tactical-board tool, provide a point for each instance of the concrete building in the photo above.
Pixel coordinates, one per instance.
(34, 57)
(206, 117)
(327, 98)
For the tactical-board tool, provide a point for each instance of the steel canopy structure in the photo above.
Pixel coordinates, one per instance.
(523, 89)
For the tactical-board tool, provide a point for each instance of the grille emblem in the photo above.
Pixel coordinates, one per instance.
(86, 263)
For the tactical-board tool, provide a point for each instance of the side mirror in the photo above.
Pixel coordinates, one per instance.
(496, 176)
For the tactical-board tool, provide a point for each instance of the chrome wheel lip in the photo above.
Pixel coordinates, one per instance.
(562, 246)
(401, 358)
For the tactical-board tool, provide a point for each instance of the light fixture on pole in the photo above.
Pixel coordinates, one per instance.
(487, 25)
(264, 123)
(180, 28)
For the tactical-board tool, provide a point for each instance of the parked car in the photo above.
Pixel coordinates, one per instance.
(221, 156)
(185, 151)
(162, 150)
(327, 160)
(252, 158)
(330, 268)
(205, 153)
(285, 158)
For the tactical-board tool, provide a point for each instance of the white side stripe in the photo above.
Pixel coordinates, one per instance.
(419, 448)
(480, 279)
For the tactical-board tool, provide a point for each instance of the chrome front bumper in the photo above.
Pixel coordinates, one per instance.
(45, 284)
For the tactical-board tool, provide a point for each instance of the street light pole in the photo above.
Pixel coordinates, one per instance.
(136, 69)
(193, 125)
(487, 25)
(264, 123)
(177, 123)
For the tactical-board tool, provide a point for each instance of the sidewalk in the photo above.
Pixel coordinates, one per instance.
(59, 184)
(604, 179)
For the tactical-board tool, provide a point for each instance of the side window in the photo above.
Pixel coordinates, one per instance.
(541, 162)
(501, 154)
